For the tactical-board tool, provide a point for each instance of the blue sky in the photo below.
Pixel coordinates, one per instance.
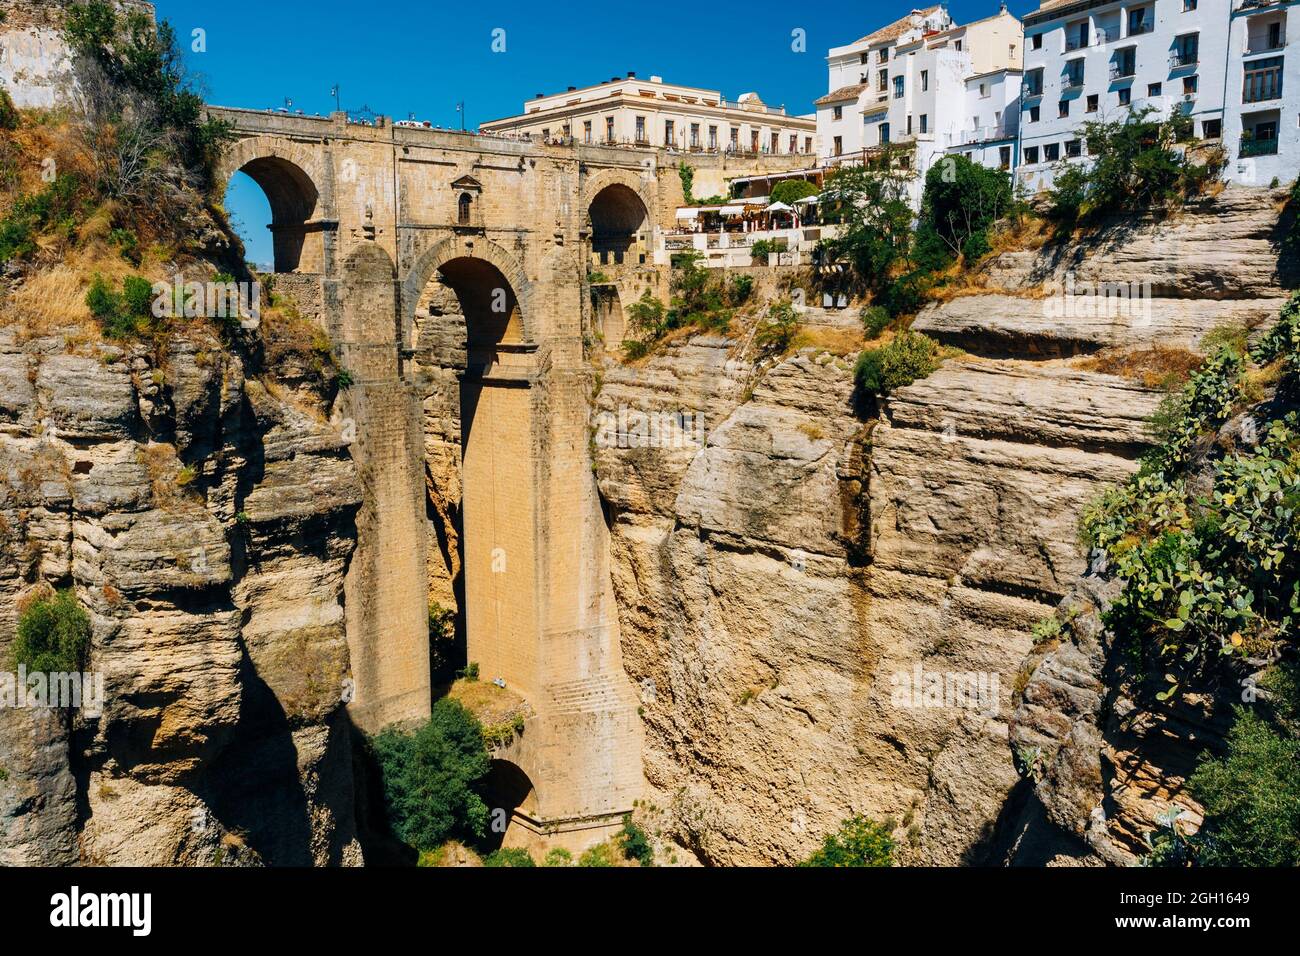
(416, 56)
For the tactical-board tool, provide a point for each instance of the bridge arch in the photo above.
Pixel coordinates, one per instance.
(291, 180)
(465, 257)
(617, 212)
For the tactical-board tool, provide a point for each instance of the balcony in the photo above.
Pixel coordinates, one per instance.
(1101, 36)
(1137, 29)
(1265, 44)
(1122, 71)
(1070, 84)
(1258, 147)
(1075, 43)
(1180, 58)
(1030, 90)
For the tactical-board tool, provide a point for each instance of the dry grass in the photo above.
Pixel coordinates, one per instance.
(489, 703)
(1155, 367)
(828, 339)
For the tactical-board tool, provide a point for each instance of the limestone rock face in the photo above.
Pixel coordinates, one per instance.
(206, 525)
(828, 603)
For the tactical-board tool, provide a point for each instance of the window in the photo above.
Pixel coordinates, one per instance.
(837, 112)
(774, 143)
(984, 91)
(864, 57)
(839, 146)
(1186, 50)
(1138, 22)
(1153, 89)
(882, 81)
(609, 129)
(1091, 105)
(713, 137)
(546, 134)
(882, 56)
(1073, 148)
(1031, 154)
(695, 135)
(735, 138)
(1189, 85)
(1189, 6)
(1033, 85)
(884, 133)
(1036, 43)
(1274, 35)
(1125, 63)
(957, 46)
(1033, 114)
(898, 87)
(753, 141)
(925, 80)
(925, 122)
(640, 129)
(586, 131)
(794, 143)
(909, 124)
(464, 206)
(1125, 95)
(1073, 74)
(1211, 129)
(1063, 108)
(1262, 80)
(1004, 157)
(670, 132)
(1051, 152)
(807, 144)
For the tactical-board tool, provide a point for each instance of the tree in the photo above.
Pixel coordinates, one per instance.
(790, 190)
(908, 356)
(962, 201)
(871, 205)
(53, 635)
(859, 841)
(431, 778)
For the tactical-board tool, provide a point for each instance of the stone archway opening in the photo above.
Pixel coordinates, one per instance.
(619, 225)
(294, 202)
(510, 796)
(470, 324)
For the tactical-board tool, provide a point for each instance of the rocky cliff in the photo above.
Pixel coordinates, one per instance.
(204, 517)
(828, 604)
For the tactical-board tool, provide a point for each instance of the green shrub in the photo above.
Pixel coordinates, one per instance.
(1251, 798)
(8, 112)
(598, 855)
(741, 288)
(344, 378)
(961, 202)
(789, 191)
(775, 334)
(875, 319)
(872, 207)
(858, 842)
(53, 635)
(508, 856)
(431, 778)
(29, 216)
(636, 844)
(760, 248)
(634, 349)
(125, 315)
(907, 357)
(646, 317)
(558, 857)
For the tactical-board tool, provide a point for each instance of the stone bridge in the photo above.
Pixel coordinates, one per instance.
(451, 272)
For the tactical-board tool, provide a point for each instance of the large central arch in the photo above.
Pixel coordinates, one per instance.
(468, 320)
(292, 179)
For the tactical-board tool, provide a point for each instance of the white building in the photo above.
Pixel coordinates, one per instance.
(927, 81)
(635, 112)
(1088, 60)
(1262, 94)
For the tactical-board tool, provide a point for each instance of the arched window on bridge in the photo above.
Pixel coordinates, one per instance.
(465, 207)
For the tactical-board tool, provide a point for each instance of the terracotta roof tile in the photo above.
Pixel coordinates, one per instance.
(897, 28)
(843, 93)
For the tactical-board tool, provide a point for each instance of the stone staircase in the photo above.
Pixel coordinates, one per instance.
(587, 695)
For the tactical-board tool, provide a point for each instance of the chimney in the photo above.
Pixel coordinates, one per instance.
(631, 74)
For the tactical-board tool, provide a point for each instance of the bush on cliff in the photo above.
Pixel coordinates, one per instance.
(859, 841)
(431, 778)
(53, 635)
(907, 357)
